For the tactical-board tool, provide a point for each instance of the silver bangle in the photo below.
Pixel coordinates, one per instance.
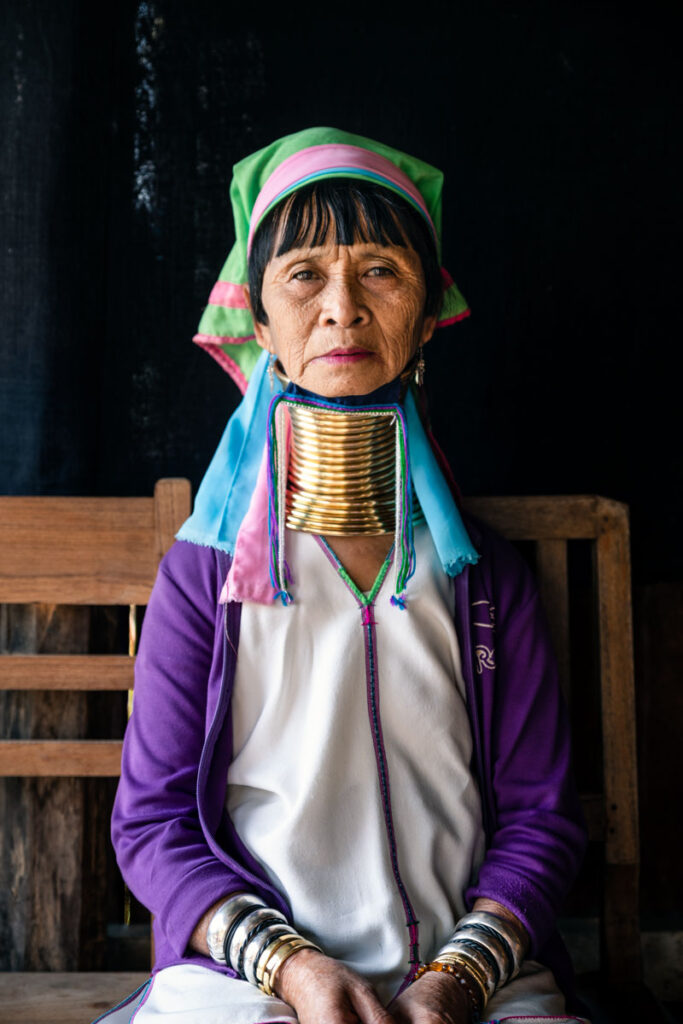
(257, 948)
(247, 925)
(265, 952)
(254, 947)
(492, 942)
(503, 928)
(483, 956)
(222, 921)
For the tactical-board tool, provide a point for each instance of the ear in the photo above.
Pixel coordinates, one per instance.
(428, 328)
(261, 331)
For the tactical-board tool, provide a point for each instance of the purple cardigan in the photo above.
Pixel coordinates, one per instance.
(175, 844)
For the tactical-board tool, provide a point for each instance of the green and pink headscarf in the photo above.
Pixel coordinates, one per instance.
(262, 180)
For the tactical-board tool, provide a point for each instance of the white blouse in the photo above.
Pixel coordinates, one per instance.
(350, 780)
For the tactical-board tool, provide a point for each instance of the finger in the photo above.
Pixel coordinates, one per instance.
(399, 1016)
(368, 1007)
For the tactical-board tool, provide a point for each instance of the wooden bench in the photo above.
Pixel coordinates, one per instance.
(76, 551)
(106, 550)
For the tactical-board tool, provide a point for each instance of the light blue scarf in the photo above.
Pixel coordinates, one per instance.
(225, 492)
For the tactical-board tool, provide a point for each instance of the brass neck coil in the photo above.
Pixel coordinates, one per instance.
(341, 476)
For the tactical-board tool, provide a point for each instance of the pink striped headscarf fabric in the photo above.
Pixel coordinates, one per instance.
(330, 161)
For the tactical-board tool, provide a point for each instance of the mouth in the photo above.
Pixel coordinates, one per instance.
(341, 356)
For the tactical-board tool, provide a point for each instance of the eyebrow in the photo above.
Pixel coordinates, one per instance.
(366, 249)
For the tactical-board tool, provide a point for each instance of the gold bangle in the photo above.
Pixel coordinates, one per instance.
(469, 957)
(473, 971)
(474, 968)
(278, 958)
(266, 954)
(465, 960)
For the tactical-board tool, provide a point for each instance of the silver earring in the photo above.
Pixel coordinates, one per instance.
(420, 368)
(271, 371)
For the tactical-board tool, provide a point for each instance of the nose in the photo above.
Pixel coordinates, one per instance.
(342, 304)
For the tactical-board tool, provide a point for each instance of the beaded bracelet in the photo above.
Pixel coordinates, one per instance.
(474, 963)
(472, 971)
(461, 974)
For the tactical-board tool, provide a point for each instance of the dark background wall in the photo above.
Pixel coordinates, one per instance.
(558, 127)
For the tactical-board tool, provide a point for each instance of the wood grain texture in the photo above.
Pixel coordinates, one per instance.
(620, 928)
(551, 567)
(172, 506)
(60, 758)
(617, 684)
(77, 550)
(62, 998)
(42, 818)
(621, 956)
(66, 672)
(99, 878)
(558, 517)
(87, 550)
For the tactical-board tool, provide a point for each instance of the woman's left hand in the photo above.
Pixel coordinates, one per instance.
(435, 998)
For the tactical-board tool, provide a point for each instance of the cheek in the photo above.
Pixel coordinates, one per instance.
(291, 337)
(402, 319)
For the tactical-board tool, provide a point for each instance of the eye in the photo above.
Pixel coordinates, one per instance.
(380, 271)
(303, 275)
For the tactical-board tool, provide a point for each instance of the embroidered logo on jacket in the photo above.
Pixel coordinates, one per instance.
(485, 654)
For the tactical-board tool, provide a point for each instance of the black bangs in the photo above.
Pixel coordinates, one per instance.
(357, 211)
(356, 214)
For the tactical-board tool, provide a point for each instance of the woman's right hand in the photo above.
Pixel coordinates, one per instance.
(323, 991)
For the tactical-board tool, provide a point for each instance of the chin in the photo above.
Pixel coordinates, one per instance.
(345, 383)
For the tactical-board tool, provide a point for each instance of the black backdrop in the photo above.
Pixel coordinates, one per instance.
(558, 127)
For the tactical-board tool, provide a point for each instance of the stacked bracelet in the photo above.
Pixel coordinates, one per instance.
(269, 965)
(471, 984)
(246, 930)
(254, 940)
(224, 920)
(492, 944)
(264, 949)
(487, 948)
(475, 964)
(497, 930)
(483, 953)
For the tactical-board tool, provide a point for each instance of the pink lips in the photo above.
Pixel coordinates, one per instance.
(340, 356)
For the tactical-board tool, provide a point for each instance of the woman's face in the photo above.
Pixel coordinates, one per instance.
(344, 319)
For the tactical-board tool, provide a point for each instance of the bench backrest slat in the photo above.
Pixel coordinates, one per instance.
(66, 672)
(60, 758)
(100, 551)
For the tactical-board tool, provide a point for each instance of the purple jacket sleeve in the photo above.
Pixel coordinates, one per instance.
(159, 843)
(538, 835)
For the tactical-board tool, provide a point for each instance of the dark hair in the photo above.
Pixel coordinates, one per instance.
(360, 212)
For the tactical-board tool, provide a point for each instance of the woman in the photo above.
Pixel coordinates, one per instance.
(345, 792)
